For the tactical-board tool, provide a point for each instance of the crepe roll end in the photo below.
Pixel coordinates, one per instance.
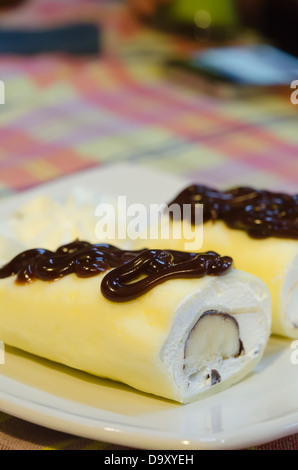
(227, 332)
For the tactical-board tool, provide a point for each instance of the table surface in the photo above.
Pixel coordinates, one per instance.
(65, 114)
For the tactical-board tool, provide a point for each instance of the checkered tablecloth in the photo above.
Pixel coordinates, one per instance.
(65, 114)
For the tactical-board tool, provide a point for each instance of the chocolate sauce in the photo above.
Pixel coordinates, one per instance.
(260, 213)
(152, 267)
(80, 257)
(215, 377)
(134, 273)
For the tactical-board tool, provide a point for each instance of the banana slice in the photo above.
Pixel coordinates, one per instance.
(215, 336)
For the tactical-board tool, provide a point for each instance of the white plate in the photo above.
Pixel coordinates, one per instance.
(261, 408)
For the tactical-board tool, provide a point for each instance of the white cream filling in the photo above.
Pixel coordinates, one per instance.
(45, 222)
(249, 302)
(48, 223)
(290, 296)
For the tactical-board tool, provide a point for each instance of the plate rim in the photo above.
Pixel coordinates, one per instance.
(123, 435)
(247, 437)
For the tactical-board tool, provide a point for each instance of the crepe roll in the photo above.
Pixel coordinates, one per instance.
(177, 325)
(259, 230)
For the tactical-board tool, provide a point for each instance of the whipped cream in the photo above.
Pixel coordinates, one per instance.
(290, 298)
(251, 308)
(44, 222)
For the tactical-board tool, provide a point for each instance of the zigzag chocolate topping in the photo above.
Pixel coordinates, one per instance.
(134, 273)
(81, 258)
(152, 267)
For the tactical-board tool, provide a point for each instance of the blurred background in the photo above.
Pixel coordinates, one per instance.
(200, 88)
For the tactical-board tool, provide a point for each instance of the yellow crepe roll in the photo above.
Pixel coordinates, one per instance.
(179, 326)
(259, 230)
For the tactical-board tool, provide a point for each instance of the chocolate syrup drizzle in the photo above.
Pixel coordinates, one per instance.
(79, 257)
(134, 273)
(260, 213)
(152, 267)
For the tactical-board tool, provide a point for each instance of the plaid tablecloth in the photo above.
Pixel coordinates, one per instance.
(65, 114)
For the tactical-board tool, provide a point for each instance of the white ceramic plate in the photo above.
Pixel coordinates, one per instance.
(261, 408)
